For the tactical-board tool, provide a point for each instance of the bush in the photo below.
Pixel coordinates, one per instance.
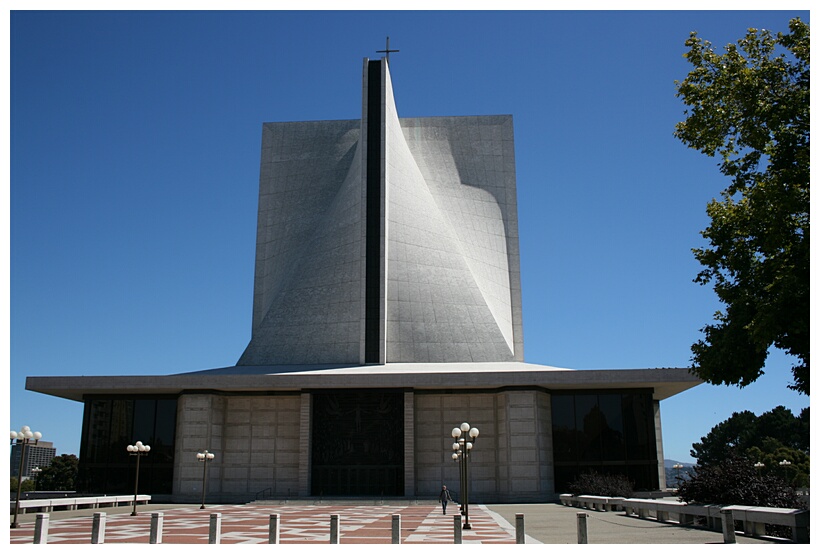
(601, 485)
(736, 481)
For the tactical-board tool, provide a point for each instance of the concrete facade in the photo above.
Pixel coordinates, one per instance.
(386, 260)
(450, 286)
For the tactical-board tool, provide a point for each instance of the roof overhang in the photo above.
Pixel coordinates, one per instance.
(664, 382)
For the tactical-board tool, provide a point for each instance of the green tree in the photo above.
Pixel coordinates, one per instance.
(750, 107)
(28, 485)
(734, 434)
(770, 438)
(736, 481)
(60, 475)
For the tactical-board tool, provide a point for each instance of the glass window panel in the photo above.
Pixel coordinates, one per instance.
(164, 431)
(563, 428)
(97, 419)
(144, 414)
(612, 431)
(588, 419)
(122, 417)
(639, 426)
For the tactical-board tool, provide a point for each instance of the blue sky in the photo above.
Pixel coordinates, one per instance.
(134, 164)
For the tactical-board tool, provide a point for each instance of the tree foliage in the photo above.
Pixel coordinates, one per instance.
(60, 475)
(737, 481)
(28, 485)
(770, 438)
(750, 107)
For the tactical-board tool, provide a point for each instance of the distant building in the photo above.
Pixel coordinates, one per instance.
(386, 311)
(39, 455)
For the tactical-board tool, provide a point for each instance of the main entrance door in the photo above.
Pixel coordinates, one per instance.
(357, 443)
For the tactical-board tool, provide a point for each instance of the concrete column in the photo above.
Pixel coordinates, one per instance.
(156, 528)
(273, 529)
(98, 528)
(583, 538)
(656, 405)
(334, 529)
(728, 526)
(519, 528)
(457, 529)
(215, 529)
(396, 529)
(41, 529)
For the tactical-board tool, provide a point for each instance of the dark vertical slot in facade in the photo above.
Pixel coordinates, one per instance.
(373, 214)
(358, 443)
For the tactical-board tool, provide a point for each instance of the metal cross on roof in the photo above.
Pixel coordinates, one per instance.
(387, 51)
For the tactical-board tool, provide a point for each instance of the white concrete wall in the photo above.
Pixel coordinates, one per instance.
(255, 440)
(512, 457)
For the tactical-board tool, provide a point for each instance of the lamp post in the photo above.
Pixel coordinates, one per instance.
(204, 457)
(139, 450)
(36, 471)
(464, 437)
(759, 467)
(677, 467)
(24, 437)
(785, 465)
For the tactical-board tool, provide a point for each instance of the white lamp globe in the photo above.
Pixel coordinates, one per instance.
(474, 432)
(456, 432)
(465, 427)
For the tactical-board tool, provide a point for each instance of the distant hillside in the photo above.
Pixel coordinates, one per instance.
(672, 474)
(670, 463)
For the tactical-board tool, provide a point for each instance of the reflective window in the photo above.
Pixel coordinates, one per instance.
(109, 426)
(608, 432)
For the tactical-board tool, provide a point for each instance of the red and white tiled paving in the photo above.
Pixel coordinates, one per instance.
(249, 524)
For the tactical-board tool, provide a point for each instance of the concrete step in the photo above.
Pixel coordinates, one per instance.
(347, 501)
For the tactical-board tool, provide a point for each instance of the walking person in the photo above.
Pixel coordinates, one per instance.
(444, 498)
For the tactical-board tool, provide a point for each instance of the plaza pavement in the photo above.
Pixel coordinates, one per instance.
(421, 524)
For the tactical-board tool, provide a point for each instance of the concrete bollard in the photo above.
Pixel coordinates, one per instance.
(457, 529)
(728, 526)
(215, 529)
(396, 527)
(334, 529)
(41, 529)
(273, 529)
(156, 528)
(519, 528)
(98, 528)
(583, 538)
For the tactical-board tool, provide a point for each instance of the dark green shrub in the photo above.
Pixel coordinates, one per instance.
(736, 481)
(599, 484)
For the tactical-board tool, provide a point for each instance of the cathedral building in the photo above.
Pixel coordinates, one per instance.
(386, 312)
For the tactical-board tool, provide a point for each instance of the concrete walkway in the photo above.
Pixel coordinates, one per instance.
(557, 524)
(363, 524)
